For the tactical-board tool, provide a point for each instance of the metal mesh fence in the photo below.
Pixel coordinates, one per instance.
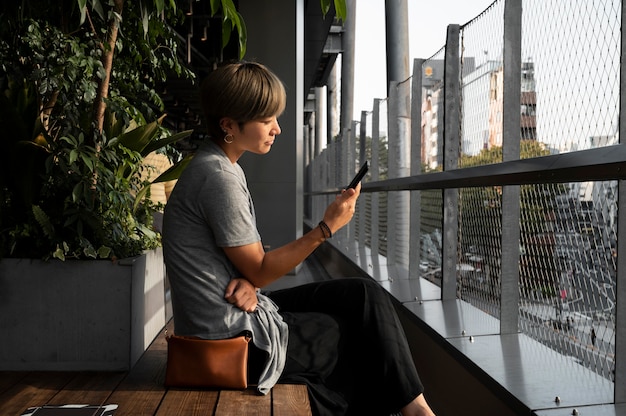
(480, 253)
(569, 86)
(382, 173)
(572, 49)
(568, 272)
(365, 214)
(431, 240)
(481, 82)
(432, 117)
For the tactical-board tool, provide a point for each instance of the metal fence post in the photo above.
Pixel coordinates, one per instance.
(451, 149)
(416, 165)
(399, 165)
(375, 211)
(351, 155)
(362, 201)
(511, 128)
(363, 138)
(620, 289)
(393, 172)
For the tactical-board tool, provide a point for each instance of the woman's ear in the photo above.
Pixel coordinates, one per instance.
(226, 124)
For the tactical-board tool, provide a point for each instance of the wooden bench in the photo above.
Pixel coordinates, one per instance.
(140, 392)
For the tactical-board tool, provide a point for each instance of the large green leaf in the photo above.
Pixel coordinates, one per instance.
(140, 137)
(158, 144)
(340, 8)
(113, 127)
(243, 36)
(160, 5)
(82, 6)
(215, 6)
(325, 5)
(174, 172)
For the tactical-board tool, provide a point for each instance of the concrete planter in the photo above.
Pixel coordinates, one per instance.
(79, 315)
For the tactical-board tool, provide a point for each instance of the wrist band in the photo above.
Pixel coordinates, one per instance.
(325, 229)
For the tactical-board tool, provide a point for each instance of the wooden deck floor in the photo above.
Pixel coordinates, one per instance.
(140, 392)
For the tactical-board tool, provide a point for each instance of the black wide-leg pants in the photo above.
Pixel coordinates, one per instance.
(347, 344)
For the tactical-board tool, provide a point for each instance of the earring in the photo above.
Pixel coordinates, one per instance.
(228, 138)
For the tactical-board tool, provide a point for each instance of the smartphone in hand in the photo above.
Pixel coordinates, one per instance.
(359, 176)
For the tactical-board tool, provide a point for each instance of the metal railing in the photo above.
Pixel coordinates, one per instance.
(500, 182)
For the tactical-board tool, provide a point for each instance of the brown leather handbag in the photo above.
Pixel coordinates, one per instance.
(202, 363)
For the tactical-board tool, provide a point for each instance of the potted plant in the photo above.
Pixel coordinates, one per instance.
(80, 263)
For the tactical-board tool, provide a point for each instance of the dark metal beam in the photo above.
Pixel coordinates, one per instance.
(602, 164)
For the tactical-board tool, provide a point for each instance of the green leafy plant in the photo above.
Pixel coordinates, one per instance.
(79, 112)
(73, 200)
(75, 125)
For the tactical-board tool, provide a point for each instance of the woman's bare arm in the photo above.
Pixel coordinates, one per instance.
(262, 268)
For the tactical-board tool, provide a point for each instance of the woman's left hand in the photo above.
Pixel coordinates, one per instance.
(242, 294)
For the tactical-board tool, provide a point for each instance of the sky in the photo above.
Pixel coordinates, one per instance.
(428, 21)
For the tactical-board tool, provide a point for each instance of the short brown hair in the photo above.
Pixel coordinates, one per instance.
(243, 91)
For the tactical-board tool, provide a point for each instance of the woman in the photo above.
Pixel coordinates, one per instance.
(340, 337)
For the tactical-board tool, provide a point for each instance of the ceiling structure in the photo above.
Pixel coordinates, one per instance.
(200, 40)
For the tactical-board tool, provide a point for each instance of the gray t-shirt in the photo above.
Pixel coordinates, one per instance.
(210, 208)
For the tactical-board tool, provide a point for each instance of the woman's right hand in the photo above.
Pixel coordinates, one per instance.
(241, 293)
(341, 210)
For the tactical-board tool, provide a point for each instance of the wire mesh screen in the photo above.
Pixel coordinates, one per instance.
(432, 112)
(567, 270)
(482, 77)
(480, 249)
(572, 49)
(569, 101)
(431, 241)
(365, 215)
(382, 173)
